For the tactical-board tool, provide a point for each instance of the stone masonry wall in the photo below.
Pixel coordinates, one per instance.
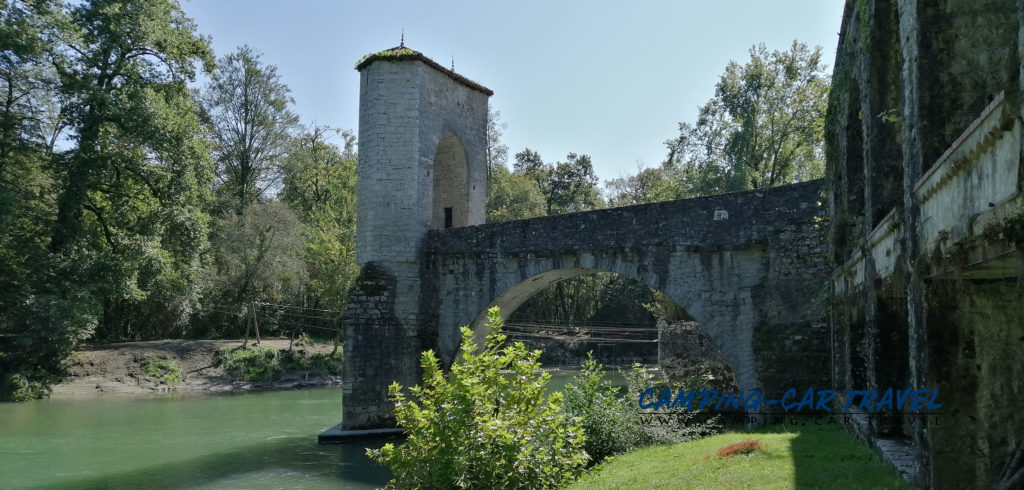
(406, 107)
(735, 262)
(912, 80)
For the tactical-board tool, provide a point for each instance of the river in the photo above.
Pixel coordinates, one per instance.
(250, 440)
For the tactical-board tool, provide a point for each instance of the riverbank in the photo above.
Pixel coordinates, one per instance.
(120, 368)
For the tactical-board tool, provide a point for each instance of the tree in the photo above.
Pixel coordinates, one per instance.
(258, 256)
(497, 152)
(126, 223)
(640, 188)
(320, 185)
(246, 106)
(567, 187)
(486, 424)
(512, 196)
(763, 128)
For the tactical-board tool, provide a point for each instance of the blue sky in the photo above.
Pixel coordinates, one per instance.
(608, 79)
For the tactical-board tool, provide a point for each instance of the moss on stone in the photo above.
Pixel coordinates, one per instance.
(400, 53)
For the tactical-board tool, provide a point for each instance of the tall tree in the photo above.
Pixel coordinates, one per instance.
(567, 186)
(641, 187)
(763, 128)
(320, 184)
(497, 152)
(125, 226)
(247, 107)
(513, 196)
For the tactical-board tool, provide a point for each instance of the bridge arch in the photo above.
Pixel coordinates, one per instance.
(509, 282)
(512, 297)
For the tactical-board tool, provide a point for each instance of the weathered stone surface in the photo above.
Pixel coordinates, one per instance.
(924, 151)
(415, 119)
(735, 262)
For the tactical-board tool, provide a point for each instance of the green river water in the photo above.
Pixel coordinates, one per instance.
(251, 440)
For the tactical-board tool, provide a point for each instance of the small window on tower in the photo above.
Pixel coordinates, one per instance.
(447, 217)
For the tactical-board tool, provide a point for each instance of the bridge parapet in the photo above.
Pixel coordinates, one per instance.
(725, 222)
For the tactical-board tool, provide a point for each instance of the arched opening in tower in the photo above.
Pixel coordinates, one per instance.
(451, 184)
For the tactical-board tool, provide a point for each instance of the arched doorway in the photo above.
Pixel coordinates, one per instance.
(451, 184)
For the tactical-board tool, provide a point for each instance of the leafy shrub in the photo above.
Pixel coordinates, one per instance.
(265, 364)
(17, 388)
(250, 364)
(612, 423)
(324, 364)
(163, 372)
(291, 360)
(685, 426)
(598, 406)
(486, 424)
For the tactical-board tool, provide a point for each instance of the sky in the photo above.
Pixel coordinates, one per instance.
(611, 79)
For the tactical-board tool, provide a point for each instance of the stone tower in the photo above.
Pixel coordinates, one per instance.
(422, 166)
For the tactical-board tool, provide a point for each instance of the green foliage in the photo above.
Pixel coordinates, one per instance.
(320, 185)
(567, 187)
(291, 360)
(102, 233)
(512, 196)
(497, 152)
(611, 422)
(254, 363)
(607, 419)
(685, 427)
(325, 364)
(247, 108)
(394, 54)
(763, 128)
(258, 256)
(486, 424)
(601, 296)
(164, 372)
(642, 187)
(16, 387)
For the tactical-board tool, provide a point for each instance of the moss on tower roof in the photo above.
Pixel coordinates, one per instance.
(402, 53)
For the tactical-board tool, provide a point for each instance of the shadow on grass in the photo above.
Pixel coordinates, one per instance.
(293, 457)
(826, 456)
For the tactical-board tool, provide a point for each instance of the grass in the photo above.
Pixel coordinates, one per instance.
(809, 457)
(163, 372)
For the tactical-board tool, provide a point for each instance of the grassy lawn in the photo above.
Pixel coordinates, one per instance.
(805, 457)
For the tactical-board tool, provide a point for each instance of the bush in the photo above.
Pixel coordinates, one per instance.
(291, 360)
(250, 364)
(486, 424)
(163, 372)
(612, 423)
(686, 426)
(17, 388)
(265, 364)
(607, 420)
(324, 364)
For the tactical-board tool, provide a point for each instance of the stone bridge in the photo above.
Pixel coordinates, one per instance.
(732, 261)
(749, 266)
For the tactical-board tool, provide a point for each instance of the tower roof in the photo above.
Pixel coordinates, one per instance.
(402, 53)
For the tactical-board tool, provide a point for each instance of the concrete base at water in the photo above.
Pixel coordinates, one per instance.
(337, 435)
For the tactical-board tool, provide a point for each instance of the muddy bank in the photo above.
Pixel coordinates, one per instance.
(118, 368)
